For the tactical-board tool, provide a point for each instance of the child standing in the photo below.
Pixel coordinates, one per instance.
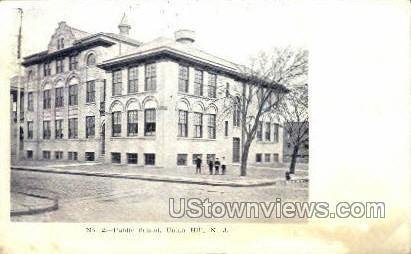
(210, 166)
(223, 165)
(217, 165)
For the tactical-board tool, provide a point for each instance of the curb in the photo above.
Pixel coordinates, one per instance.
(146, 178)
(38, 210)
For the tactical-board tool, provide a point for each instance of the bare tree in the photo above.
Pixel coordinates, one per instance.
(264, 84)
(293, 113)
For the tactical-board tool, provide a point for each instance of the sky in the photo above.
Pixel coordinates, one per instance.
(235, 30)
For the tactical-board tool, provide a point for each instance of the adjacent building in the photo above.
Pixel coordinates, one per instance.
(107, 97)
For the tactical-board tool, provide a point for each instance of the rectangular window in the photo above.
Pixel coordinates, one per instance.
(181, 159)
(260, 131)
(150, 122)
(267, 157)
(29, 154)
(182, 123)
(60, 65)
(30, 130)
(72, 156)
(90, 91)
(73, 95)
(46, 99)
(195, 155)
(198, 82)
(198, 125)
(227, 90)
(150, 159)
(116, 158)
(90, 126)
(117, 82)
(132, 80)
(183, 79)
(46, 155)
(276, 132)
(46, 130)
(59, 129)
(132, 123)
(267, 131)
(132, 158)
(30, 102)
(236, 112)
(59, 97)
(275, 157)
(73, 63)
(58, 155)
(258, 157)
(226, 128)
(236, 149)
(46, 69)
(103, 93)
(211, 126)
(116, 124)
(151, 77)
(89, 156)
(212, 85)
(73, 128)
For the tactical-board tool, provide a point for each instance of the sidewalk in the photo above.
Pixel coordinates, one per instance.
(257, 176)
(28, 204)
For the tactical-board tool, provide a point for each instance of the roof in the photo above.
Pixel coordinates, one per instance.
(78, 34)
(124, 38)
(187, 52)
(163, 43)
(82, 39)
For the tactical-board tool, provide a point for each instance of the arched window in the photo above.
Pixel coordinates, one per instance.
(91, 60)
(60, 43)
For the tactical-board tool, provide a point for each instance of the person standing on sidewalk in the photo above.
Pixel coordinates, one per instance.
(223, 165)
(198, 165)
(217, 165)
(210, 166)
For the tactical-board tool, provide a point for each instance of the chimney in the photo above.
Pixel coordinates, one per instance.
(124, 27)
(184, 36)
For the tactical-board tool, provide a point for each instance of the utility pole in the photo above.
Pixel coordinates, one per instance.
(19, 83)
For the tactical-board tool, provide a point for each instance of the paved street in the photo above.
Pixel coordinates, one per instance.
(105, 199)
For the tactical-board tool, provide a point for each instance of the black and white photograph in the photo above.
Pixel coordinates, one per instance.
(194, 126)
(112, 128)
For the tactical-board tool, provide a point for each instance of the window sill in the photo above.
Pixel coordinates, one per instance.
(131, 94)
(135, 137)
(196, 139)
(90, 104)
(195, 96)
